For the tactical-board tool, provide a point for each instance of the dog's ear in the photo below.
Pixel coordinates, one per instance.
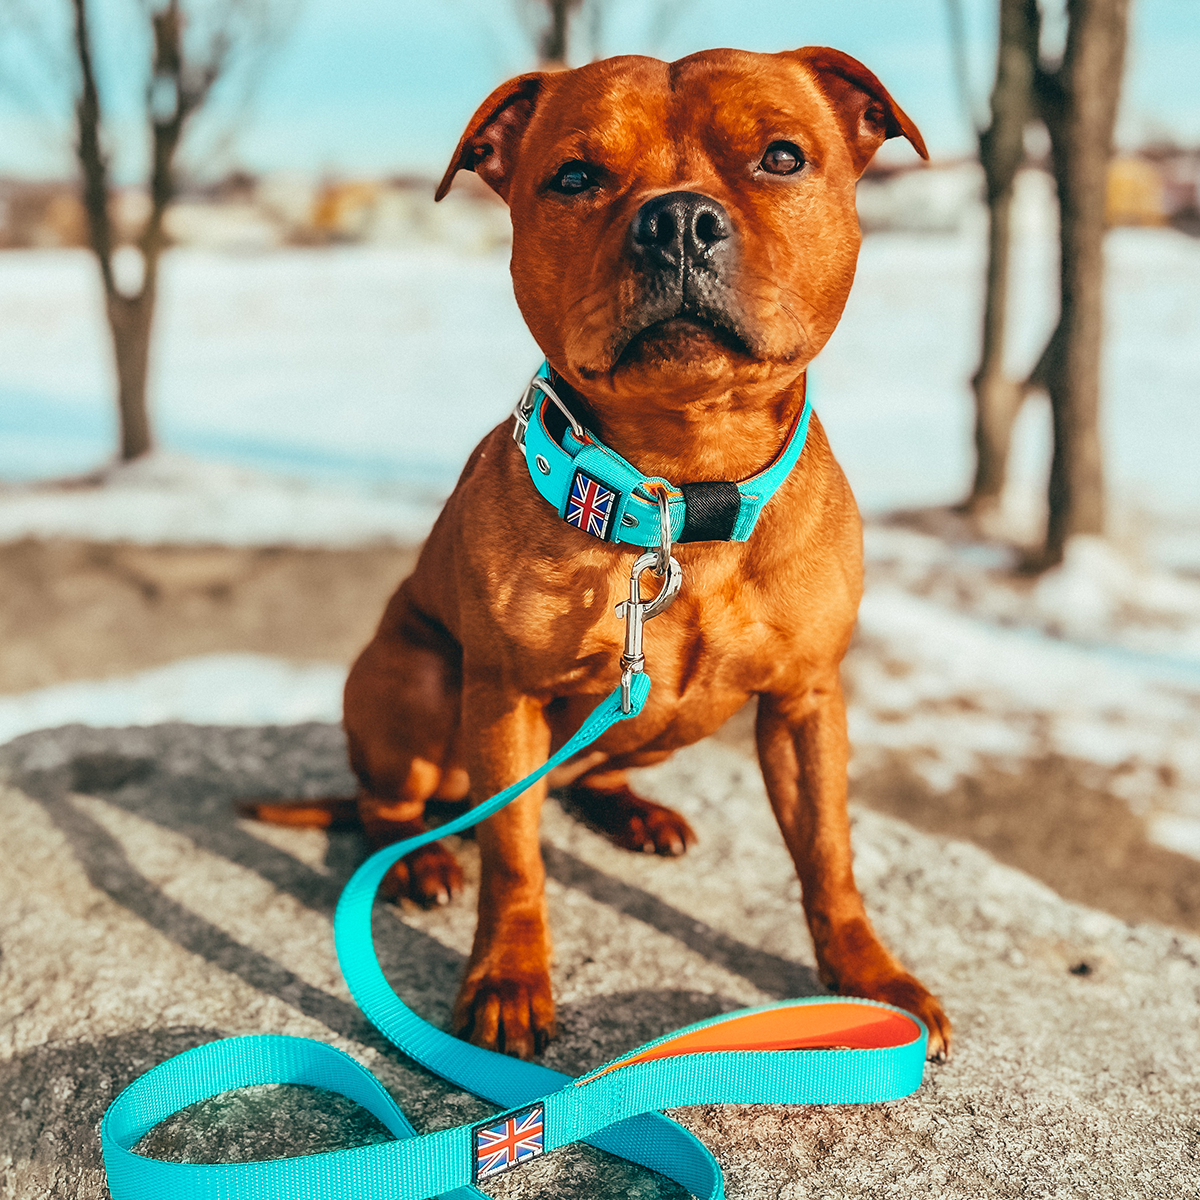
(867, 113)
(493, 135)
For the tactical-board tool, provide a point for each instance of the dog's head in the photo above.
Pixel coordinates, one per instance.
(683, 229)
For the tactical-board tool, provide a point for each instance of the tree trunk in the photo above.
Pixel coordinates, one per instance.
(1079, 105)
(1001, 152)
(552, 52)
(130, 319)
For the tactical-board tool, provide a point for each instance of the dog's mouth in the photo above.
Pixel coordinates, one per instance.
(682, 338)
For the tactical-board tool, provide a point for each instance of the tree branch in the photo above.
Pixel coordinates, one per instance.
(186, 88)
(92, 157)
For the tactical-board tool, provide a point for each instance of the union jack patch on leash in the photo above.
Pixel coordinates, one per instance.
(507, 1142)
(591, 505)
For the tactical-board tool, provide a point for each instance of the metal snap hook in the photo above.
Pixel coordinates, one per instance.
(637, 612)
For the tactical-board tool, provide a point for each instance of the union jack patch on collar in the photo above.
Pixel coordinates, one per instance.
(591, 505)
(511, 1140)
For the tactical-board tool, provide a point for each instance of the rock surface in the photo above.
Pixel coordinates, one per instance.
(139, 917)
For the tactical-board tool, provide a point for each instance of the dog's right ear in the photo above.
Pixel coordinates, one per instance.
(868, 114)
(493, 135)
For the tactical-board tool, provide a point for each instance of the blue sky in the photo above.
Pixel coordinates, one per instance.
(382, 86)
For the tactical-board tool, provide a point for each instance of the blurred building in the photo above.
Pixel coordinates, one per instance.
(938, 198)
(1158, 186)
(244, 212)
(37, 215)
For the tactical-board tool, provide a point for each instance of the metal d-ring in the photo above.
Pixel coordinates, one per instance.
(544, 387)
(663, 559)
(525, 406)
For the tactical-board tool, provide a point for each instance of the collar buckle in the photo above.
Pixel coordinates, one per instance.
(523, 411)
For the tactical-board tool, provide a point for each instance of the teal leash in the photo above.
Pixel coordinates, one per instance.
(811, 1051)
(411, 1168)
(616, 1108)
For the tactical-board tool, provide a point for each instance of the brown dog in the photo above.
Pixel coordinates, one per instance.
(684, 240)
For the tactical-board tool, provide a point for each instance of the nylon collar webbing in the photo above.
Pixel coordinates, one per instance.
(596, 490)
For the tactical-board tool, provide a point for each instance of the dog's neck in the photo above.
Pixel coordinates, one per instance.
(724, 437)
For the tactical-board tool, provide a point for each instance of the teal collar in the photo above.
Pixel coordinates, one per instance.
(602, 494)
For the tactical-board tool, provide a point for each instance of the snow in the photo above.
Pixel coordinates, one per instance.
(959, 660)
(211, 689)
(167, 498)
(353, 366)
(348, 364)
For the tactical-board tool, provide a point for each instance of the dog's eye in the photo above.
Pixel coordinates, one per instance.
(782, 158)
(574, 177)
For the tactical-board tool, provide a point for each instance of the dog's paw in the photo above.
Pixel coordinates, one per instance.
(853, 962)
(632, 823)
(513, 1015)
(430, 876)
(909, 993)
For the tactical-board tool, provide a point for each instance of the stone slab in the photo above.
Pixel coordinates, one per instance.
(139, 916)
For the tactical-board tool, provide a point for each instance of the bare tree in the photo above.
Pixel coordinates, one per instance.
(555, 26)
(1001, 152)
(185, 65)
(1077, 101)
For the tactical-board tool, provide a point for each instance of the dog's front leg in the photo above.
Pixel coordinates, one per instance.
(804, 750)
(505, 1001)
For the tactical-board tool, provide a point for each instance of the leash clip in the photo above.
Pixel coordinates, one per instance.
(636, 612)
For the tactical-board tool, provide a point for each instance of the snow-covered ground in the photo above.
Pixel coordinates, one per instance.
(958, 660)
(347, 386)
(170, 499)
(210, 689)
(374, 371)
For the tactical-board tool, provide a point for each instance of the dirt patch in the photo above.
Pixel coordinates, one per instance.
(81, 610)
(86, 610)
(1051, 821)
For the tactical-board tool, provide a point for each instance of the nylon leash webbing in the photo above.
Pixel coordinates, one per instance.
(818, 1051)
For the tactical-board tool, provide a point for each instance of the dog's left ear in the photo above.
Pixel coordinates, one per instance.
(868, 114)
(493, 136)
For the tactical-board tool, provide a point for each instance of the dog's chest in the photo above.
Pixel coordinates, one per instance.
(563, 636)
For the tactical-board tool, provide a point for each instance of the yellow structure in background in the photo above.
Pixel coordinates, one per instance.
(344, 209)
(1135, 194)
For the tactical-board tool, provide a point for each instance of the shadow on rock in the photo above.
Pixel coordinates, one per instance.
(601, 1028)
(53, 1096)
(108, 869)
(768, 972)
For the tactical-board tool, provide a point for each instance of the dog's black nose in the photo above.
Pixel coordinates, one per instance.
(669, 230)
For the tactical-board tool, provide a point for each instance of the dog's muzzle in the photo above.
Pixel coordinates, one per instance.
(684, 248)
